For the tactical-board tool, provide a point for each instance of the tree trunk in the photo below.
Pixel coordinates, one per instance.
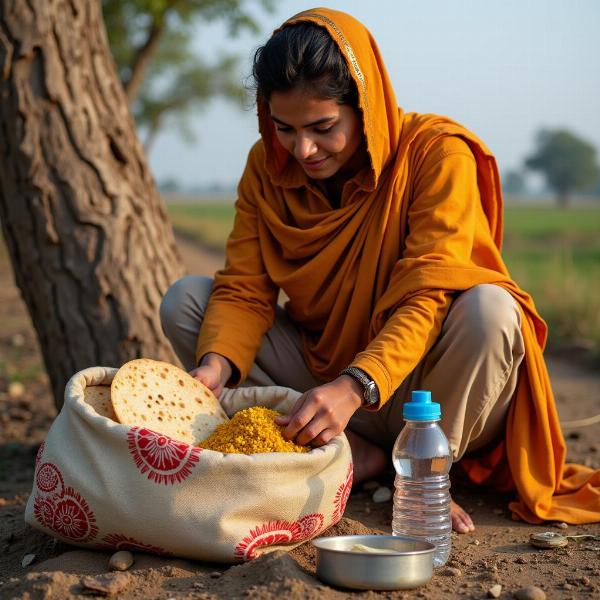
(90, 243)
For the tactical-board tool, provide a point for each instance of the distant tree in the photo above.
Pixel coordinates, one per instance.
(595, 189)
(170, 185)
(567, 162)
(151, 42)
(514, 183)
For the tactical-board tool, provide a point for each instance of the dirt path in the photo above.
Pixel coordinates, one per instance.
(497, 553)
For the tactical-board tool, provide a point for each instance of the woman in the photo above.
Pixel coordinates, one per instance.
(383, 229)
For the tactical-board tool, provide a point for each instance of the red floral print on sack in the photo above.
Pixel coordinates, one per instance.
(60, 508)
(309, 526)
(164, 459)
(48, 479)
(43, 510)
(118, 541)
(38, 456)
(341, 497)
(73, 518)
(269, 534)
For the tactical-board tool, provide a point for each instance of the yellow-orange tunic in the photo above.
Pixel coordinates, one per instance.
(370, 282)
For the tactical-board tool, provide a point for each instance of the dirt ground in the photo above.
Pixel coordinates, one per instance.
(496, 553)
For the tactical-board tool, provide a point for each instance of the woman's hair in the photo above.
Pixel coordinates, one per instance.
(303, 55)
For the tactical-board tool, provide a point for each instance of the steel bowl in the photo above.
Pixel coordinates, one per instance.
(408, 562)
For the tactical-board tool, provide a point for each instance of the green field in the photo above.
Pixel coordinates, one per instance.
(555, 255)
(552, 253)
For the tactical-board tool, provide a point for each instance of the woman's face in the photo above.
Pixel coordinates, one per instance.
(321, 135)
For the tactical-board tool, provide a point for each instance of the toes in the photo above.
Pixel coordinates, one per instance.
(461, 521)
(459, 525)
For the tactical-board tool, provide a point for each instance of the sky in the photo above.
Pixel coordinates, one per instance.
(503, 68)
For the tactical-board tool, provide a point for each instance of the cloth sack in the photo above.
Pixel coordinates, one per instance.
(105, 485)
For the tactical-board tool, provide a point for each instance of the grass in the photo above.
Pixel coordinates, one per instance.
(552, 253)
(208, 223)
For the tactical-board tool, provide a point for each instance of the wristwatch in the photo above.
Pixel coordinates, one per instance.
(370, 391)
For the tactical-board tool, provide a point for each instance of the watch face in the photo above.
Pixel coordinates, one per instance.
(369, 395)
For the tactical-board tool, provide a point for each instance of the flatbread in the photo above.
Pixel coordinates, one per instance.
(162, 397)
(98, 397)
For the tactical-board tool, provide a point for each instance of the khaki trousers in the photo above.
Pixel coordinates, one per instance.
(471, 370)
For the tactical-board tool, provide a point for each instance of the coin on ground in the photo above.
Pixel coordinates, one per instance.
(548, 539)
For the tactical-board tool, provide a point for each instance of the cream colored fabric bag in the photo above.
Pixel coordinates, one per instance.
(105, 485)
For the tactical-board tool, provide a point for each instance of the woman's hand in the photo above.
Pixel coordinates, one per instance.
(323, 412)
(214, 372)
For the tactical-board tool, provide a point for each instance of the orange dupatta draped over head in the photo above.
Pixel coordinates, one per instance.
(345, 273)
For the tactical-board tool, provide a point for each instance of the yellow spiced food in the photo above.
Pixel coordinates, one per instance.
(250, 431)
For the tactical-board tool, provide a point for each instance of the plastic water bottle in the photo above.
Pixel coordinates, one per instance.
(422, 460)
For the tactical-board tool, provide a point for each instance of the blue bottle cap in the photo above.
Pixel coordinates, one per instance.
(421, 408)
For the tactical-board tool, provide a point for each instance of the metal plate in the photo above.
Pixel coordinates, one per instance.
(408, 564)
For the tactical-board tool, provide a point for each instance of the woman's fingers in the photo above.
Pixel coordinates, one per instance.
(284, 420)
(208, 377)
(298, 417)
(320, 414)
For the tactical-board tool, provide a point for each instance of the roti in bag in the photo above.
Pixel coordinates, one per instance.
(98, 397)
(164, 398)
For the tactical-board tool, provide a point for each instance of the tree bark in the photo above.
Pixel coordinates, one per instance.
(91, 245)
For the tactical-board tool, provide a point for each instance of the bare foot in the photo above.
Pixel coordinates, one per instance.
(461, 520)
(369, 460)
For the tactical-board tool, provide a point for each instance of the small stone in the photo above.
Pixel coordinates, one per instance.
(475, 542)
(215, 574)
(198, 585)
(530, 592)
(567, 586)
(382, 494)
(27, 560)
(16, 389)
(17, 340)
(595, 448)
(451, 572)
(495, 591)
(109, 584)
(560, 525)
(585, 580)
(370, 486)
(521, 561)
(120, 561)
(170, 572)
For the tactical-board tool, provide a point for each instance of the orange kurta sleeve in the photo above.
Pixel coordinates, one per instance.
(242, 304)
(442, 221)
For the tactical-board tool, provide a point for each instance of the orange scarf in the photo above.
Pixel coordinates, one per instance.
(346, 270)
